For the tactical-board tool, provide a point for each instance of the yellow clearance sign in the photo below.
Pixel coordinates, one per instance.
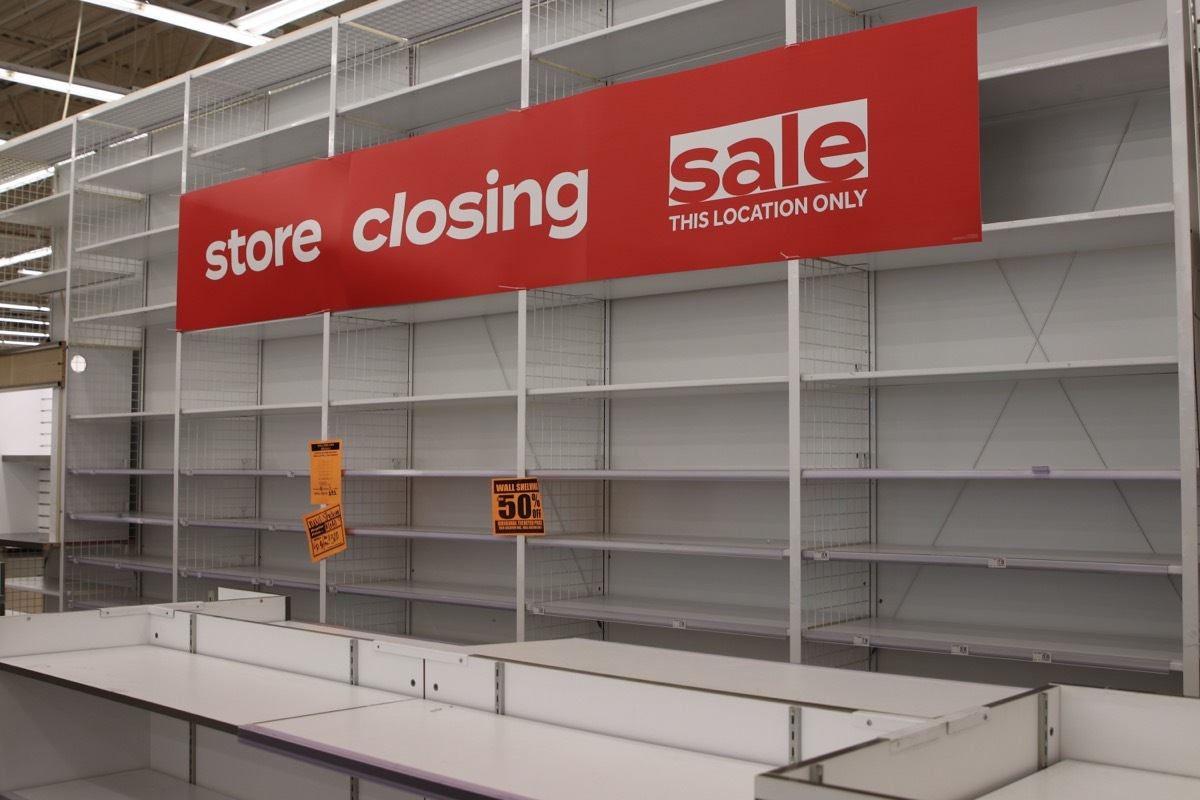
(326, 532)
(517, 507)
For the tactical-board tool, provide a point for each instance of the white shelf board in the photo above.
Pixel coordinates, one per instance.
(668, 36)
(747, 677)
(660, 474)
(445, 535)
(142, 784)
(54, 280)
(37, 585)
(245, 524)
(1082, 780)
(1034, 474)
(489, 86)
(729, 547)
(25, 539)
(144, 317)
(1145, 654)
(254, 410)
(692, 615)
(140, 246)
(127, 517)
(36, 459)
(119, 471)
(1112, 367)
(669, 388)
(1002, 557)
(1066, 233)
(302, 140)
(1129, 69)
(156, 173)
(429, 473)
(123, 415)
(463, 398)
(45, 212)
(80, 602)
(259, 576)
(160, 565)
(244, 473)
(456, 594)
(437, 750)
(210, 691)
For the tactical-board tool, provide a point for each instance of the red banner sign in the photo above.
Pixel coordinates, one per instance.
(851, 144)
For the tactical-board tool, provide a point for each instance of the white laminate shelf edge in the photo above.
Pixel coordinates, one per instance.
(769, 383)
(244, 524)
(1002, 557)
(125, 517)
(425, 746)
(1031, 473)
(475, 596)
(449, 399)
(260, 410)
(99, 471)
(661, 474)
(1097, 368)
(1080, 780)
(142, 784)
(282, 577)
(1144, 654)
(123, 415)
(695, 546)
(671, 613)
(160, 565)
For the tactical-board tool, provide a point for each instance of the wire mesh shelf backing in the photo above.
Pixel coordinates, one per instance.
(566, 348)
(835, 336)
(369, 361)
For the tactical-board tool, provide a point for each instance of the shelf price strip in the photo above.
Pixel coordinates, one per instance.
(517, 507)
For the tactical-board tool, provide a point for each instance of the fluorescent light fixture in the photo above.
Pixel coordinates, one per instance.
(28, 334)
(182, 20)
(26, 344)
(19, 307)
(24, 321)
(31, 272)
(28, 255)
(56, 85)
(271, 17)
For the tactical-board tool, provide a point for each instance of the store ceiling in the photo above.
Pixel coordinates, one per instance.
(115, 48)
